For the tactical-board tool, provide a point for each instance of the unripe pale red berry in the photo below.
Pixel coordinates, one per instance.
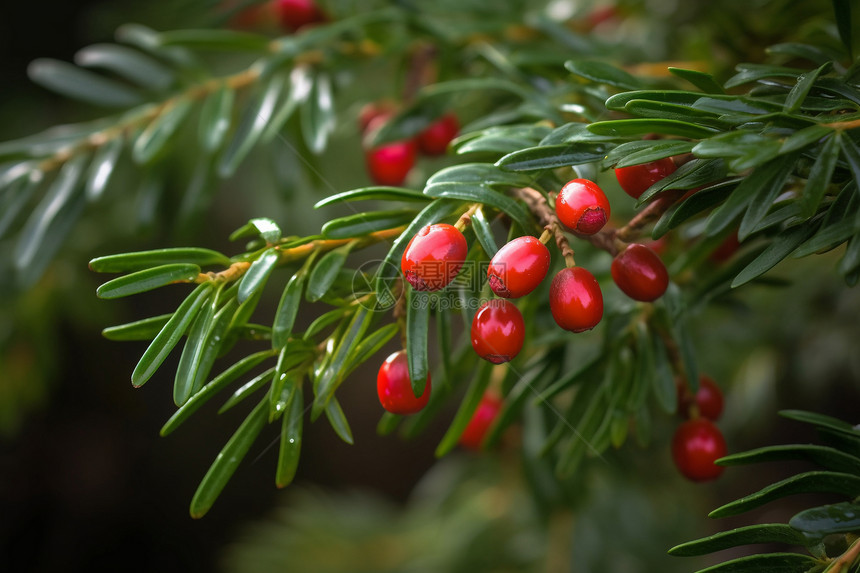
(639, 273)
(708, 399)
(635, 179)
(575, 299)
(481, 420)
(434, 256)
(295, 14)
(394, 387)
(582, 207)
(696, 445)
(518, 267)
(374, 114)
(498, 331)
(434, 139)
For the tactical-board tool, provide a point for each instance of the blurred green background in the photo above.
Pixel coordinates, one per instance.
(86, 484)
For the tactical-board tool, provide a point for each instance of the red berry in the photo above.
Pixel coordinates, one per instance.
(434, 256)
(395, 389)
(582, 207)
(295, 14)
(639, 273)
(575, 299)
(480, 422)
(697, 444)
(635, 179)
(391, 163)
(518, 267)
(498, 331)
(435, 138)
(708, 399)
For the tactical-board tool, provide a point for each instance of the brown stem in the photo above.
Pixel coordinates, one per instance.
(237, 269)
(847, 559)
(545, 214)
(633, 229)
(466, 218)
(422, 70)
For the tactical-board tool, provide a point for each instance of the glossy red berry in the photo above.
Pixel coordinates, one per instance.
(582, 207)
(481, 421)
(518, 267)
(295, 14)
(498, 331)
(391, 163)
(394, 387)
(708, 399)
(434, 256)
(575, 299)
(639, 273)
(696, 445)
(635, 179)
(434, 139)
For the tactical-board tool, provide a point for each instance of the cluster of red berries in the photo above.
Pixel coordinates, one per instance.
(435, 255)
(698, 442)
(390, 163)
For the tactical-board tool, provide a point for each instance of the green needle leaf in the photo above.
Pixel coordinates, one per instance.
(228, 460)
(136, 67)
(603, 73)
(782, 246)
(637, 127)
(417, 331)
(288, 307)
(809, 482)
(216, 118)
(156, 137)
(338, 420)
(467, 408)
(192, 352)
(764, 533)
(379, 193)
(144, 329)
(701, 80)
(484, 233)
(819, 522)
(480, 194)
(45, 219)
(820, 175)
(258, 273)
(825, 456)
(291, 438)
(255, 118)
(325, 272)
(770, 562)
(361, 224)
(217, 384)
(148, 279)
(229, 40)
(552, 156)
(76, 83)
(331, 377)
(103, 165)
(145, 259)
(169, 335)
